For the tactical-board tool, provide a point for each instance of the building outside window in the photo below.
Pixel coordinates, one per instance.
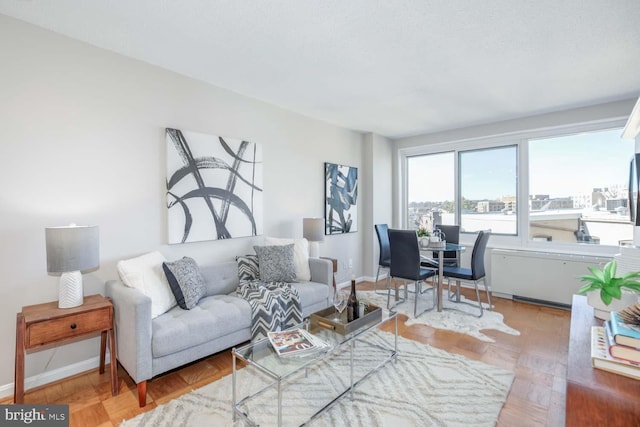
(574, 187)
(578, 188)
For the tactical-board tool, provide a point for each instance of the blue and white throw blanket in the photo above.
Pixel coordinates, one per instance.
(274, 306)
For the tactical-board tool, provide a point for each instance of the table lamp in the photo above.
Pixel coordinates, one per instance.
(313, 231)
(71, 250)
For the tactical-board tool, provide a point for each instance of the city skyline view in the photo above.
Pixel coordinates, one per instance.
(558, 167)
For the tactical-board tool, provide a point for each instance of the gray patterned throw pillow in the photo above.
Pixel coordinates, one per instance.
(185, 281)
(248, 268)
(276, 263)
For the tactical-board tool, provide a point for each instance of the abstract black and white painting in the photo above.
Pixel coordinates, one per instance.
(214, 187)
(341, 199)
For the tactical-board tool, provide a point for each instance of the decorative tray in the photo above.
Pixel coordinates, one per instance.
(439, 245)
(327, 319)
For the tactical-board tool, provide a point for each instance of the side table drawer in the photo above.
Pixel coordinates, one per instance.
(41, 333)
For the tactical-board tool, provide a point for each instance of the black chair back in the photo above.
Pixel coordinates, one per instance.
(451, 235)
(382, 230)
(405, 254)
(477, 256)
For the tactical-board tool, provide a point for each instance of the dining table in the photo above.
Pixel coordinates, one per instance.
(441, 249)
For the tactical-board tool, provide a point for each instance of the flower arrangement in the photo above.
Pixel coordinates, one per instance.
(423, 230)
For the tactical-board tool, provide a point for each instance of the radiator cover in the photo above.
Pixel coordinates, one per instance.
(543, 276)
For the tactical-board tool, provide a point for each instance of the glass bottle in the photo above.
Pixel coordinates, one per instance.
(353, 308)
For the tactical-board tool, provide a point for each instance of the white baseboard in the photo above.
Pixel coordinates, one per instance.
(54, 375)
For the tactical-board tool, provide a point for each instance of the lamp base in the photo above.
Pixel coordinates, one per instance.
(70, 291)
(314, 250)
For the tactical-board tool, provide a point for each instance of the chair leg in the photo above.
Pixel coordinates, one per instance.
(375, 284)
(475, 282)
(416, 288)
(486, 289)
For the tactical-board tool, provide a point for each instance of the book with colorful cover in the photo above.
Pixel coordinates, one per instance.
(295, 342)
(624, 333)
(620, 351)
(601, 359)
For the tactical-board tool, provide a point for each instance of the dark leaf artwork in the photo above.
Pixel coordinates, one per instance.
(214, 187)
(341, 199)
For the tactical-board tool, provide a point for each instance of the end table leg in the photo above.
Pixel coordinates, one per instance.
(103, 350)
(18, 390)
(113, 355)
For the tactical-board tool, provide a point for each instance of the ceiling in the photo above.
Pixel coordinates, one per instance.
(395, 68)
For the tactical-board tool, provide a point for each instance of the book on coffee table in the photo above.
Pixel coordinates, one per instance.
(295, 342)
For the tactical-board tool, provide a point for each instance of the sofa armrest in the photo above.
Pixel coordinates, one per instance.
(321, 271)
(132, 310)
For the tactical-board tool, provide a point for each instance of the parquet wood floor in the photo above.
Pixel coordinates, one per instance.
(538, 357)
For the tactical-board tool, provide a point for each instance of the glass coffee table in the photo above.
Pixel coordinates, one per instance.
(330, 373)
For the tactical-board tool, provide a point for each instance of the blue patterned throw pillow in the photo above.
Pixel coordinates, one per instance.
(276, 263)
(186, 282)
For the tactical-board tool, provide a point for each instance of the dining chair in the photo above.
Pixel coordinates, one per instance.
(405, 265)
(384, 260)
(474, 274)
(450, 258)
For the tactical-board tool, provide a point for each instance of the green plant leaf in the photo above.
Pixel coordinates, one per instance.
(605, 297)
(598, 274)
(586, 288)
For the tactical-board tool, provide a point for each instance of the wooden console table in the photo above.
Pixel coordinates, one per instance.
(595, 397)
(45, 325)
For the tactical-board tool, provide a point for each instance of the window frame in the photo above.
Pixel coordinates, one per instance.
(521, 140)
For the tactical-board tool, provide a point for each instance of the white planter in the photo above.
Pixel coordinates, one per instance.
(601, 311)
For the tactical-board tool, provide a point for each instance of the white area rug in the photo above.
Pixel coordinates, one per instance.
(425, 387)
(452, 320)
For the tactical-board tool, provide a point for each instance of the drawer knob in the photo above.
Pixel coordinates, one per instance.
(73, 326)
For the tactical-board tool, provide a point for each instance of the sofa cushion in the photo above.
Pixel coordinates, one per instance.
(300, 255)
(145, 274)
(312, 293)
(276, 263)
(213, 317)
(248, 268)
(185, 281)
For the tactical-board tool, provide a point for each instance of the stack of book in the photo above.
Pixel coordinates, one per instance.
(615, 346)
(296, 342)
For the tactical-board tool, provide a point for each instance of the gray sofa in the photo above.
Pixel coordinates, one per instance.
(149, 347)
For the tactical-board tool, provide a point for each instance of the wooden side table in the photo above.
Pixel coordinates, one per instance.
(45, 325)
(334, 262)
(595, 397)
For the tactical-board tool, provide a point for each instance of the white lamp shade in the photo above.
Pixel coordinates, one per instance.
(313, 229)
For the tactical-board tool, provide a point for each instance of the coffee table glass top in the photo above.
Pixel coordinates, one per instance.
(261, 353)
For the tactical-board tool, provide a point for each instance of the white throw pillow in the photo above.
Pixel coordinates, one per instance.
(145, 274)
(300, 255)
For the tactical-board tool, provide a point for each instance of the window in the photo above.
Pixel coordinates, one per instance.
(578, 188)
(430, 190)
(488, 190)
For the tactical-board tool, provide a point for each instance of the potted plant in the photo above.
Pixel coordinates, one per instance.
(604, 289)
(423, 235)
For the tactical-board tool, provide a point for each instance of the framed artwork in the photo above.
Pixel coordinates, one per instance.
(214, 187)
(341, 199)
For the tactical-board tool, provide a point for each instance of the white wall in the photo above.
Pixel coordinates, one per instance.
(82, 140)
(378, 154)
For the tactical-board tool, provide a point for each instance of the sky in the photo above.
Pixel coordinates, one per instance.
(559, 166)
